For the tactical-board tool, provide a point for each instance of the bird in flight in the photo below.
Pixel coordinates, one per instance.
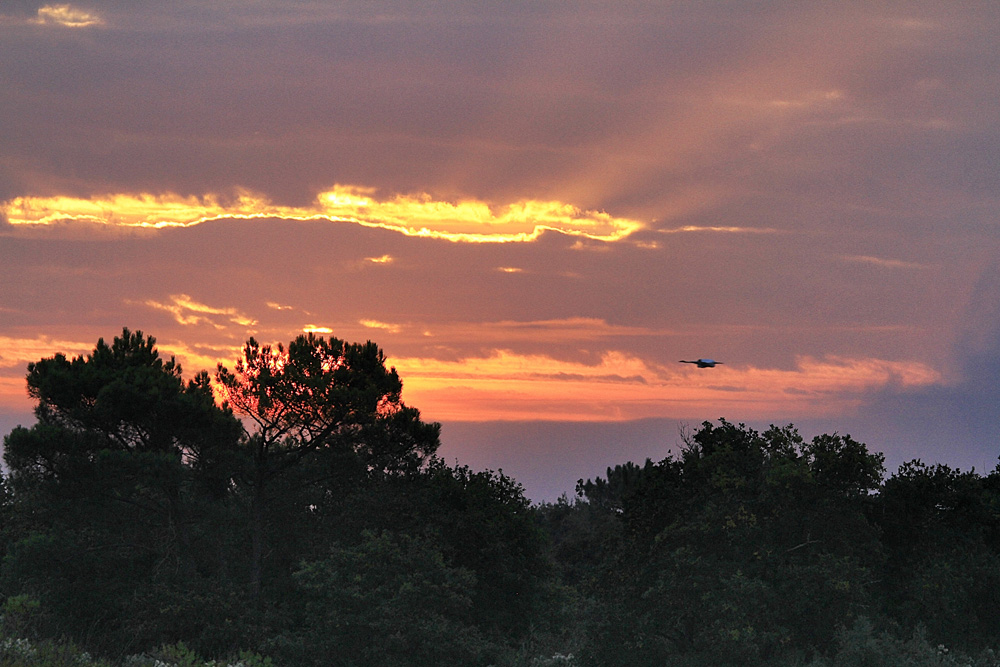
(703, 363)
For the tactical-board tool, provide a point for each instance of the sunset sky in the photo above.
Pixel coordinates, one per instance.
(536, 208)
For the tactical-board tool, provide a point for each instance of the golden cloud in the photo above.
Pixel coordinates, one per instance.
(187, 311)
(465, 221)
(66, 16)
(375, 324)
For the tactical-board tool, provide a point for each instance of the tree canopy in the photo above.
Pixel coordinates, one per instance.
(327, 400)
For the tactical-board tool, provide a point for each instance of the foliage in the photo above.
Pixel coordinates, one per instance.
(179, 655)
(747, 544)
(143, 523)
(388, 600)
(328, 405)
(327, 394)
(106, 491)
(941, 531)
(862, 646)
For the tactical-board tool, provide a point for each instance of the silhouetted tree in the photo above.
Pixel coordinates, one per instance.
(331, 401)
(749, 543)
(941, 531)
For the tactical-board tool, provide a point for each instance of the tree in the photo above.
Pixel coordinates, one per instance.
(941, 530)
(618, 482)
(747, 544)
(331, 401)
(106, 490)
(387, 600)
(121, 405)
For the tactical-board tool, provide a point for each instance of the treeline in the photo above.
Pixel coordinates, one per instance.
(302, 518)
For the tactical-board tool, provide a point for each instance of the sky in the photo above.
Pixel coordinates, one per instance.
(536, 208)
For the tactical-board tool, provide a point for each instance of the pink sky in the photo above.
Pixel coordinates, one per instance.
(535, 208)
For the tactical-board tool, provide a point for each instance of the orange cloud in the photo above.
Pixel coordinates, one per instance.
(465, 221)
(16, 352)
(19, 352)
(509, 386)
(14, 395)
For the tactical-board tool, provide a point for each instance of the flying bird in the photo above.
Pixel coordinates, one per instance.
(703, 363)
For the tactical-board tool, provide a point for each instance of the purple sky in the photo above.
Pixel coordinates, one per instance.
(535, 208)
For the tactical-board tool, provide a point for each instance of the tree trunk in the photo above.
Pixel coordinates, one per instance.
(257, 527)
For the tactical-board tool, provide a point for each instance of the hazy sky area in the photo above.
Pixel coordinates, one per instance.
(536, 209)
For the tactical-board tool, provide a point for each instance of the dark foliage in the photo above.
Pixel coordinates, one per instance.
(140, 518)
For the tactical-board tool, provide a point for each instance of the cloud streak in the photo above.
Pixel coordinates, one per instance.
(188, 312)
(883, 262)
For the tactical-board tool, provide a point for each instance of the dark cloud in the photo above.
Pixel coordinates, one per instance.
(292, 97)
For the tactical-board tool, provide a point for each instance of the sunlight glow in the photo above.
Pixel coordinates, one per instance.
(464, 221)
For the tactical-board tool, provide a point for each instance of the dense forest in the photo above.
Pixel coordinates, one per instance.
(292, 511)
